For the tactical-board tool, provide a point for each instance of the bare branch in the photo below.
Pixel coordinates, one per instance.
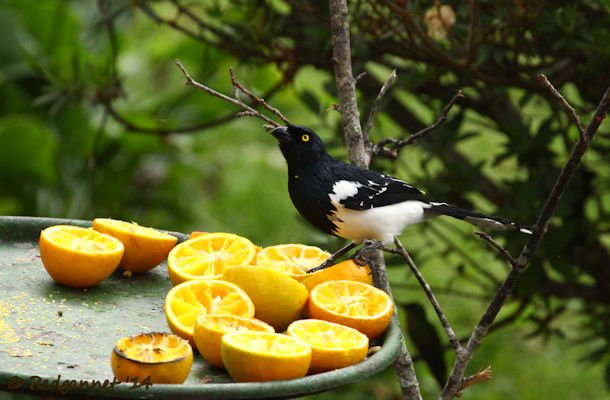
(371, 119)
(255, 98)
(166, 130)
(405, 370)
(130, 126)
(396, 144)
(483, 375)
(564, 103)
(350, 118)
(191, 82)
(501, 250)
(472, 32)
(346, 84)
(453, 340)
(507, 287)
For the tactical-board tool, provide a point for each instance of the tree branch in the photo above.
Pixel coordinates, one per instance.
(564, 103)
(453, 340)
(507, 287)
(501, 250)
(396, 144)
(130, 126)
(256, 99)
(375, 108)
(405, 369)
(354, 139)
(235, 101)
(346, 84)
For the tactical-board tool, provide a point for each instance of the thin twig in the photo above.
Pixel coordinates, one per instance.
(453, 340)
(130, 126)
(492, 280)
(191, 82)
(442, 118)
(255, 98)
(472, 32)
(396, 144)
(483, 375)
(375, 108)
(501, 250)
(564, 103)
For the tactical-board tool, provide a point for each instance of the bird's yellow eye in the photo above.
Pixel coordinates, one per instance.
(305, 138)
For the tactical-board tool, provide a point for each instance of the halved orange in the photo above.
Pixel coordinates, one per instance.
(145, 248)
(333, 345)
(210, 328)
(194, 234)
(152, 357)
(278, 299)
(262, 356)
(78, 257)
(291, 259)
(208, 255)
(354, 304)
(345, 270)
(190, 299)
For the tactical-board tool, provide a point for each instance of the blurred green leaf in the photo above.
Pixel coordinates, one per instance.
(28, 150)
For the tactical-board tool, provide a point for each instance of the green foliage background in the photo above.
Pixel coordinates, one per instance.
(95, 121)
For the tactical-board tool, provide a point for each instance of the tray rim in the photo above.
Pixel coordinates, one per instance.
(307, 385)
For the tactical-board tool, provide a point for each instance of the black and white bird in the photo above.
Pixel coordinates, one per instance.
(358, 204)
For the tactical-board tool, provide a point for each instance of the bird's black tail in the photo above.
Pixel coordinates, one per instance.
(476, 218)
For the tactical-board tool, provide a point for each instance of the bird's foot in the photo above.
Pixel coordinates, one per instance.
(360, 256)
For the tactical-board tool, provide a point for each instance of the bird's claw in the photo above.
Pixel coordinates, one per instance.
(360, 258)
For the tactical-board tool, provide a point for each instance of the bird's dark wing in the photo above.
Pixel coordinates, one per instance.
(372, 189)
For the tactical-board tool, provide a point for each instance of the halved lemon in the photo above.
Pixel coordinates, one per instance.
(333, 345)
(291, 259)
(78, 257)
(208, 255)
(278, 299)
(345, 270)
(190, 299)
(145, 248)
(263, 356)
(210, 328)
(354, 304)
(152, 357)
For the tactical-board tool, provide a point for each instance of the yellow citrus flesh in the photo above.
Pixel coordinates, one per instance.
(145, 248)
(278, 299)
(188, 300)
(159, 357)
(291, 259)
(354, 304)
(263, 356)
(332, 345)
(79, 257)
(207, 256)
(210, 328)
(345, 270)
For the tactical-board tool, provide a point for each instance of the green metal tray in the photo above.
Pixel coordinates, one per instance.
(57, 341)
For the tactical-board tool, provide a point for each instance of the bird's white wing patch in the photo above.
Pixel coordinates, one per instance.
(344, 189)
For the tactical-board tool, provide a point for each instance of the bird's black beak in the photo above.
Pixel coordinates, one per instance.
(281, 134)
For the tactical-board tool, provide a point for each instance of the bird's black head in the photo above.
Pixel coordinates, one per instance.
(299, 145)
